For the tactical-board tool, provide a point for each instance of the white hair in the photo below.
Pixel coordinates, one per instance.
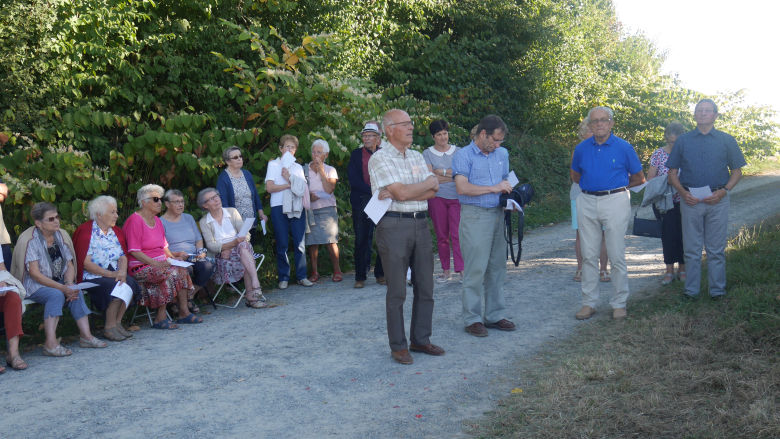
(144, 191)
(605, 109)
(322, 143)
(100, 205)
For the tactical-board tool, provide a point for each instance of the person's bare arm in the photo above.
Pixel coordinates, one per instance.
(652, 172)
(719, 194)
(636, 179)
(411, 192)
(463, 187)
(674, 179)
(575, 176)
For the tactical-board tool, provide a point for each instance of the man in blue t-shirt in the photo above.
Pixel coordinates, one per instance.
(605, 166)
(700, 159)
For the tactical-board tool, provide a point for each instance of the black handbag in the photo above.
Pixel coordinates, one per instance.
(650, 228)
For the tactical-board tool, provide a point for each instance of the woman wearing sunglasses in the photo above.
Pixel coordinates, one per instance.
(237, 189)
(148, 261)
(43, 259)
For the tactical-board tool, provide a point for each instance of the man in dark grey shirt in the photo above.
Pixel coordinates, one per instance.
(705, 157)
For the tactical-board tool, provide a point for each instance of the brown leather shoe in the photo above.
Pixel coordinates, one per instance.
(360, 284)
(585, 313)
(619, 313)
(430, 349)
(381, 281)
(402, 357)
(477, 329)
(503, 324)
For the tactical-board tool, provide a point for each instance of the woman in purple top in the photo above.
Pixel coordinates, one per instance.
(671, 221)
(444, 207)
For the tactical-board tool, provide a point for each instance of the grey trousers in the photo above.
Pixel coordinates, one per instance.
(705, 225)
(484, 257)
(404, 243)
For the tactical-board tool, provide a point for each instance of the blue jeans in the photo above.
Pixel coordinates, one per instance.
(53, 300)
(284, 227)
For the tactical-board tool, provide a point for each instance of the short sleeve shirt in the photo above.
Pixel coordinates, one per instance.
(605, 166)
(481, 170)
(274, 173)
(142, 238)
(315, 185)
(388, 166)
(442, 160)
(183, 235)
(705, 159)
(104, 250)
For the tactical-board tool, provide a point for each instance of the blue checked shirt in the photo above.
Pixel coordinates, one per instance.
(481, 170)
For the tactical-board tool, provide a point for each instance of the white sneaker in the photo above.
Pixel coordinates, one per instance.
(283, 285)
(305, 282)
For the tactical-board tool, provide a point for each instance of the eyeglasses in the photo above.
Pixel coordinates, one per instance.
(51, 219)
(408, 122)
(598, 121)
(496, 141)
(175, 201)
(211, 198)
(289, 146)
(155, 199)
(236, 157)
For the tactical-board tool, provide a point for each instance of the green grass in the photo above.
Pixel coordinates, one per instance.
(701, 369)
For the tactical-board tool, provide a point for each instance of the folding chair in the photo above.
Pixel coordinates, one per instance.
(148, 312)
(259, 258)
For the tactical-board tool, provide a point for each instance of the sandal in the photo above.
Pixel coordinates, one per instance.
(190, 319)
(668, 278)
(93, 342)
(338, 276)
(58, 351)
(604, 276)
(165, 324)
(442, 278)
(16, 363)
(255, 300)
(193, 308)
(681, 275)
(578, 276)
(124, 331)
(113, 334)
(314, 277)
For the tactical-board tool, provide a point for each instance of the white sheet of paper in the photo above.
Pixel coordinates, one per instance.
(246, 226)
(7, 288)
(409, 273)
(262, 223)
(512, 205)
(638, 188)
(84, 285)
(701, 192)
(512, 179)
(287, 159)
(323, 195)
(178, 263)
(123, 292)
(376, 208)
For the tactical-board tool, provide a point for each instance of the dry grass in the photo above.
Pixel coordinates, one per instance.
(674, 370)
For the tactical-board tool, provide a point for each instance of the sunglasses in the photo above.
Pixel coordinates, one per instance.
(51, 219)
(236, 157)
(155, 199)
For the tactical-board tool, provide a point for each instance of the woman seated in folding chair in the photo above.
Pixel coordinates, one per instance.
(43, 259)
(185, 241)
(11, 307)
(148, 261)
(100, 258)
(220, 227)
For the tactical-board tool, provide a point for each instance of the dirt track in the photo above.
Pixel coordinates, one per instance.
(319, 365)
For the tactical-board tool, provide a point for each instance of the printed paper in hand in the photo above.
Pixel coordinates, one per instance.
(7, 288)
(512, 205)
(287, 159)
(123, 291)
(262, 223)
(178, 263)
(512, 179)
(246, 226)
(83, 286)
(701, 192)
(322, 195)
(638, 188)
(376, 208)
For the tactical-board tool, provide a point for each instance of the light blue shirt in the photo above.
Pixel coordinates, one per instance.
(481, 170)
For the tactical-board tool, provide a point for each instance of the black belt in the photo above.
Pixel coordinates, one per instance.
(712, 188)
(602, 193)
(412, 215)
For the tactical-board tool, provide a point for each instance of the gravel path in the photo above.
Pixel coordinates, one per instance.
(318, 365)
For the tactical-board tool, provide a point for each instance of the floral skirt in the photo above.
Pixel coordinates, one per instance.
(161, 284)
(231, 269)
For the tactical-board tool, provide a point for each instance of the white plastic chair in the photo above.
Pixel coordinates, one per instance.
(259, 258)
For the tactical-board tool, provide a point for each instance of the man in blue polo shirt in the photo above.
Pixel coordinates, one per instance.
(703, 158)
(480, 171)
(604, 165)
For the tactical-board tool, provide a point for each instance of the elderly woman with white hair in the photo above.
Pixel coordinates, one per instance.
(233, 253)
(148, 261)
(101, 259)
(324, 224)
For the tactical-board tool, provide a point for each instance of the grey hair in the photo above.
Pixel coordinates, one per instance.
(172, 192)
(674, 129)
(707, 101)
(202, 195)
(226, 153)
(145, 190)
(583, 128)
(39, 210)
(602, 108)
(322, 143)
(100, 205)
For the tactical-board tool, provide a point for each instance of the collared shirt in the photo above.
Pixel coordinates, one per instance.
(607, 166)
(104, 250)
(388, 166)
(442, 160)
(705, 159)
(481, 170)
(225, 231)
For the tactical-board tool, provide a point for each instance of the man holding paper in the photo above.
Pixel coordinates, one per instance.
(699, 168)
(604, 165)
(481, 171)
(403, 239)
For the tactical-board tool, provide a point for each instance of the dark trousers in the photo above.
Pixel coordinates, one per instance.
(202, 271)
(364, 237)
(7, 256)
(671, 235)
(403, 243)
(101, 297)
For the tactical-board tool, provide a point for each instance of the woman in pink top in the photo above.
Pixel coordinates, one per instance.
(148, 261)
(324, 226)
